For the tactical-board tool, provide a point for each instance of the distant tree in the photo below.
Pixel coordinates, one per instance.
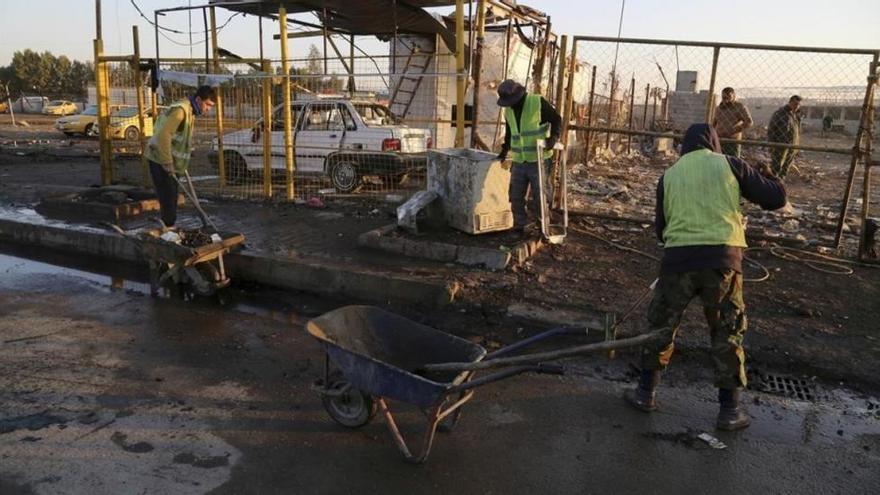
(46, 74)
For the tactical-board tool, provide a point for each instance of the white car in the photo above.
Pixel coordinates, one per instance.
(332, 139)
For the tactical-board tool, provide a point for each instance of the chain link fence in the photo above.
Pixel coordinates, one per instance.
(797, 110)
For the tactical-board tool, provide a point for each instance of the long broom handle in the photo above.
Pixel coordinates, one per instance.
(538, 357)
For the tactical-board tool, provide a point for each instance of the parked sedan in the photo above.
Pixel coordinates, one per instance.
(60, 107)
(124, 124)
(82, 123)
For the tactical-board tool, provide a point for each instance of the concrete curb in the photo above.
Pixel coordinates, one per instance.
(295, 274)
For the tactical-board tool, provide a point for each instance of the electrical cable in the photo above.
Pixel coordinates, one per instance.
(175, 31)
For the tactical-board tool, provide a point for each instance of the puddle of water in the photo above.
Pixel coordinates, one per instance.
(12, 267)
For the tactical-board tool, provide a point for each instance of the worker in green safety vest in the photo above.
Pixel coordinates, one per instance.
(529, 118)
(698, 219)
(170, 147)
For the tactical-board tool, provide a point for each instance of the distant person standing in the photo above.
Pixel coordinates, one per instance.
(785, 127)
(731, 119)
(529, 117)
(170, 148)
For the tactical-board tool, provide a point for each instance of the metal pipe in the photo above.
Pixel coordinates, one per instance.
(98, 19)
(289, 146)
(139, 87)
(645, 110)
(706, 44)
(102, 92)
(749, 142)
(459, 69)
(477, 68)
(267, 131)
(710, 98)
(856, 149)
(589, 134)
(218, 107)
(632, 104)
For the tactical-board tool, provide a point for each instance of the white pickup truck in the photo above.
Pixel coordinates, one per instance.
(343, 139)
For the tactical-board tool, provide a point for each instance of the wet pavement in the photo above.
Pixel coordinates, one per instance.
(111, 391)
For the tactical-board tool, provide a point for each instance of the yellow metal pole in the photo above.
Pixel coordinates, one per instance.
(288, 119)
(102, 91)
(267, 130)
(218, 107)
(459, 69)
(139, 87)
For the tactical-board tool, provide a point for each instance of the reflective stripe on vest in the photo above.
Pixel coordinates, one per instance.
(701, 199)
(524, 135)
(181, 142)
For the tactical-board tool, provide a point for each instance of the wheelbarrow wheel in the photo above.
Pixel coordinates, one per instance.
(352, 408)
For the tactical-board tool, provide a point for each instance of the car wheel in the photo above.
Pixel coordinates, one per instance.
(132, 133)
(344, 176)
(236, 168)
(88, 129)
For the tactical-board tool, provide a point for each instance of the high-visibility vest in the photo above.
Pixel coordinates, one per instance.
(181, 141)
(524, 135)
(701, 198)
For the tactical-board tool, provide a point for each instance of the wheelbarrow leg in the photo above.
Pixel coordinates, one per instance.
(427, 441)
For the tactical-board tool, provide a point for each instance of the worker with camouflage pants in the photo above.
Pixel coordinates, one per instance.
(785, 127)
(169, 149)
(698, 219)
(529, 118)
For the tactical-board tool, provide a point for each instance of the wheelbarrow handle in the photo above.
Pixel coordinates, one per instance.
(561, 330)
(549, 369)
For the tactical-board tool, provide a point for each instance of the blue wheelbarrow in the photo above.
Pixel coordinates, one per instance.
(373, 355)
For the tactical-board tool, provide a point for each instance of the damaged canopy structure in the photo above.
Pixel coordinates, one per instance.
(363, 17)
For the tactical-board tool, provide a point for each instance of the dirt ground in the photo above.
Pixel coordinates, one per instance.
(801, 320)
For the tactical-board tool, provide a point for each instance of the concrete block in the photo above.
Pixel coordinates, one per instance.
(490, 258)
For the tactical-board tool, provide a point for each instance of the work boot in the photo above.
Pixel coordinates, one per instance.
(643, 396)
(731, 416)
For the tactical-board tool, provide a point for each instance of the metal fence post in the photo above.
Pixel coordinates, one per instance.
(857, 148)
(632, 104)
(645, 109)
(102, 91)
(267, 130)
(218, 107)
(460, 75)
(288, 118)
(477, 69)
(710, 99)
(589, 112)
(139, 87)
(867, 160)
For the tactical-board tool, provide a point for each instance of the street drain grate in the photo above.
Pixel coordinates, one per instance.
(789, 387)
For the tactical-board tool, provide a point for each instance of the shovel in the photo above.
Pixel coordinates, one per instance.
(190, 193)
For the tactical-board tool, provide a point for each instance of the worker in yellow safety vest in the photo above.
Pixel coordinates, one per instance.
(529, 118)
(170, 147)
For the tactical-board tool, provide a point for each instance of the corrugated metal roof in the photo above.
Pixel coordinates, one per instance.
(361, 17)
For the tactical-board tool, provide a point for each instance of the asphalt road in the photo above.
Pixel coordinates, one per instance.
(111, 391)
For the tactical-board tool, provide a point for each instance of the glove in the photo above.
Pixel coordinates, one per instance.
(168, 168)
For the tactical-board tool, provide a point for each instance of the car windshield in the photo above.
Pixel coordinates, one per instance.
(92, 110)
(55, 103)
(125, 112)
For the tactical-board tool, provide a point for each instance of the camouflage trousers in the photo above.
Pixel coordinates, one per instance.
(720, 293)
(781, 159)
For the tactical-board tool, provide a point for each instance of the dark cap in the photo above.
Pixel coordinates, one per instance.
(510, 92)
(795, 98)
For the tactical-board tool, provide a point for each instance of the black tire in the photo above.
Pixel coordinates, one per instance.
(132, 133)
(68, 134)
(88, 130)
(236, 168)
(352, 409)
(344, 175)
